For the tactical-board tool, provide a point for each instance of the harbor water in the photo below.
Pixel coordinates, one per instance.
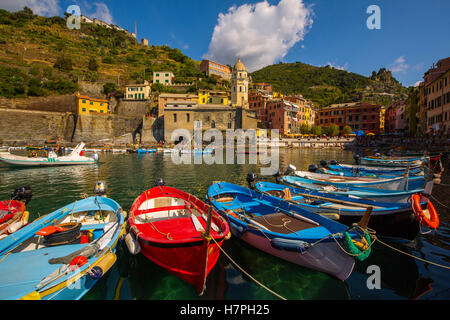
(135, 277)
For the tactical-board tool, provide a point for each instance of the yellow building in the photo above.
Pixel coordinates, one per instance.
(212, 97)
(382, 119)
(87, 105)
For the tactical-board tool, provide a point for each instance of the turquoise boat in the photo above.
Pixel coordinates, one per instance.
(143, 151)
(62, 255)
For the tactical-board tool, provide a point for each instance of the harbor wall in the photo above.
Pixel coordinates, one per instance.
(27, 126)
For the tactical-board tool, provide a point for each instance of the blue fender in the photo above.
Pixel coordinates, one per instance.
(289, 245)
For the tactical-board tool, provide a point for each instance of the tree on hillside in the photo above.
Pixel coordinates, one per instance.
(63, 63)
(93, 64)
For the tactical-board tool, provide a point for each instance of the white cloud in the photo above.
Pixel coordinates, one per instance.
(259, 34)
(344, 67)
(101, 12)
(40, 7)
(399, 65)
(417, 83)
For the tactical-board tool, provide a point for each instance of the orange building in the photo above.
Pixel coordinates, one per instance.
(87, 105)
(213, 68)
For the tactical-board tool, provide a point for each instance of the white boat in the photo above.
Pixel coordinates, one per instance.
(74, 158)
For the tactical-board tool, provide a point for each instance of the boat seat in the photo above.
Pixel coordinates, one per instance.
(97, 226)
(246, 205)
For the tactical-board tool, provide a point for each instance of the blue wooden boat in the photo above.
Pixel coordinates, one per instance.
(393, 220)
(144, 151)
(397, 183)
(284, 230)
(392, 161)
(61, 256)
(354, 170)
(358, 192)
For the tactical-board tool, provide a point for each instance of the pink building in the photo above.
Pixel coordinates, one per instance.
(395, 118)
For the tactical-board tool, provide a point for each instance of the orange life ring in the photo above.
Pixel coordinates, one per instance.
(428, 217)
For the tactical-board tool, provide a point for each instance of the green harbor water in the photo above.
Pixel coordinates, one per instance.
(134, 277)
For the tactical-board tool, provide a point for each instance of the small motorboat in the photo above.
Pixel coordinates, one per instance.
(62, 255)
(13, 214)
(74, 158)
(397, 196)
(285, 230)
(178, 232)
(198, 151)
(144, 151)
(393, 220)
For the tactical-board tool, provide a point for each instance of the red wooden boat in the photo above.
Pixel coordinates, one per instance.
(172, 231)
(12, 217)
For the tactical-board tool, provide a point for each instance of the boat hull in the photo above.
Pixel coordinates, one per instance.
(326, 257)
(183, 260)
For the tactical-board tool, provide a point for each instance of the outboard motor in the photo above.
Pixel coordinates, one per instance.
(290, 169)
(95, 157)
(324, 163)
(313, 168)
(333, 163)
(279, 176)
(357, 158)
(23, 194)
(252, 179)
(100, 188)
(160, 182)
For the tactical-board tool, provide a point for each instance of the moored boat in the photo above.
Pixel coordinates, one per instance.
(143, 151)
(286, 231)
(393, 220)
(396, 183)
(175, 230)
(13, 214)
(375, 194)
(60, 256)
(74, 158)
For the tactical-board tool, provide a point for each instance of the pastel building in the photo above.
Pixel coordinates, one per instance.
(436, 101)
(357, 115)
(88, 106)
(210, 68)
(213, 97)
(138, 92)
(163, 77)
(181, 98)
(284, 116)
(395, 118)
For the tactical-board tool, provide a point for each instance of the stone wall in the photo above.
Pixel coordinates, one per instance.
(92, 128)
(136, 109)
(34, 126)
(152, 130)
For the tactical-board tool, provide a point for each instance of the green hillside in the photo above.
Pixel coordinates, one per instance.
(327, 85)
(40, 56)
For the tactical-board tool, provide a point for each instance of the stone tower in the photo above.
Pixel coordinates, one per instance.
(239, 85)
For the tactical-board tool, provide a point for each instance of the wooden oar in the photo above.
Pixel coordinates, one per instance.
(198, 226)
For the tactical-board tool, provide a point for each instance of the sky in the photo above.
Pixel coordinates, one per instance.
(412, 34)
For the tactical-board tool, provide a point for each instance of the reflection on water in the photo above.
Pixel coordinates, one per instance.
(134, 277)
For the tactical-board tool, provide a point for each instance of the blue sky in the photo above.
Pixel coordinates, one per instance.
(413, 34)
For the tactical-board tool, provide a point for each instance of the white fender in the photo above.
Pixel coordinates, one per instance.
(132, 243)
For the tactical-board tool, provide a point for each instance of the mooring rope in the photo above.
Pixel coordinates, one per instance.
(247, 274)
(410, 255)
(434, 198)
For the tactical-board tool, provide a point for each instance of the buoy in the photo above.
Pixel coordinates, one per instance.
(78, 262)
(25, 217)
(132, 244)
(428, 217)
(359, 249)
(13, 227)
(105, 263)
